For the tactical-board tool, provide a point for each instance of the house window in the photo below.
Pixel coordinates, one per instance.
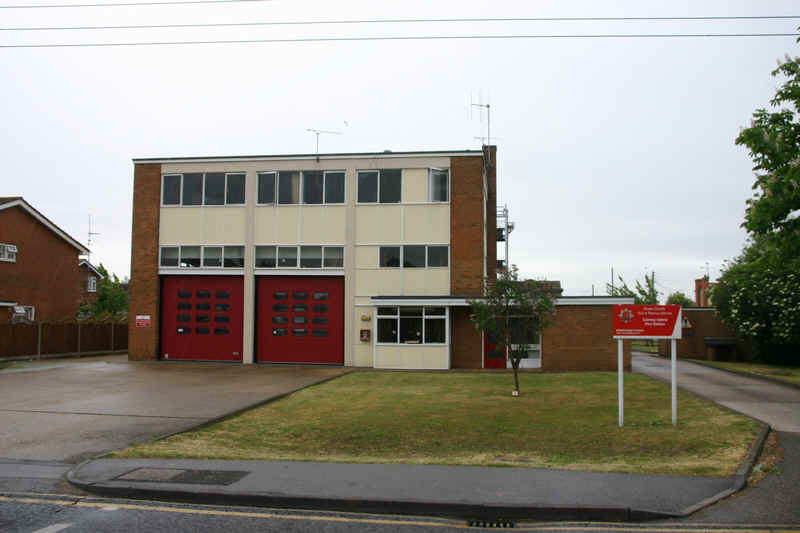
(309, 256)
(412, 325)
(92, 284)
(8, 252)
(382, 186)
(438, 185)
(211, 188)
(414, 256)
(266, 187)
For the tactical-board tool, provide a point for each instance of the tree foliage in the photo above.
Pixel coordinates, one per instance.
(644, 294)
(112, 298)
(678, 298)
(513, 307)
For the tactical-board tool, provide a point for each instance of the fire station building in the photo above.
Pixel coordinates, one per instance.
(364, 259)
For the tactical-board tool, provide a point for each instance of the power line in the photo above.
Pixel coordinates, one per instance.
(400, 21)
(168, 3)
(402, 38)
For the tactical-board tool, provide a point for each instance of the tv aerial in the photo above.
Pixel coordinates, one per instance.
(317, 133)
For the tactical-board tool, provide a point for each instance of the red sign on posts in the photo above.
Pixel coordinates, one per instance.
(647, 321)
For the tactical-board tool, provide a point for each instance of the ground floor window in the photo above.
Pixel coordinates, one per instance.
(412, 325)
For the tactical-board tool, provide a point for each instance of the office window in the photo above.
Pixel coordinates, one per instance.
(212, 256)
(438, 185)
(334, 187)
(169, 256)
(190, 256)
(288, 188)
(334, 257)
(215, 188)
(171, 190)
(313, 187)
(265, 257)
(387, 325)
(234, 189)
(438, 256)
(287, 256)
(414, 256)
(92, 284)
(412, 325)
(234, 256)
(389, 256)
(389, 190)
(368, 186)
(192, 189)
(266, 187)
(311, 256)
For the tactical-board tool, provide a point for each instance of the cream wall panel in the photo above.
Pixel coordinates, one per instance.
(362, 300)
(179, 225)
(367, 256)
(412, 357)
(426, 224)
(426, 282)
(286, 224)
(379, 282)
(415, 185)
(225, 225)
(362, 354)
(378, 224)
(265, 225)
(323, 224)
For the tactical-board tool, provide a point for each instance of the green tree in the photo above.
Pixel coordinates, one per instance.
(513, 310)
(644, 294)
(678, 298)
(112, 298)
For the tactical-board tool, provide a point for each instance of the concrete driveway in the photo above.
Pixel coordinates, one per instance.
(73, 410)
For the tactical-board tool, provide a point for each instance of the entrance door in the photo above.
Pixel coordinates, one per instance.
(201, 317)
(493, 357)
(300, 319)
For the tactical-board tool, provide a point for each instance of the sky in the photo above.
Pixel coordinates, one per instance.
(612, 153)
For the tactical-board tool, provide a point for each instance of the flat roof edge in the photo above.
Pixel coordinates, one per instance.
(353, 155)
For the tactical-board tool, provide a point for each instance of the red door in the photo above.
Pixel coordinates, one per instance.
(201, 317)
(493, 357)
(300, 319)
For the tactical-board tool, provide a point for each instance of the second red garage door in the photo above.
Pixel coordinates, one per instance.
(300, 319)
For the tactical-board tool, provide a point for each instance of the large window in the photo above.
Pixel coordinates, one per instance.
(8, 252)
(211, 188)
(438, 185)
(381, 186)
(412, 325)
(193, 256)
(414, 256)
(312, 187)
(299, 256)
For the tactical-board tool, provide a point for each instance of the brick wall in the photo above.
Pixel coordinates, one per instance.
(145, 283)
(86, 296)
(691, 345)
(465, 341)
(46, 274)
(580, 339)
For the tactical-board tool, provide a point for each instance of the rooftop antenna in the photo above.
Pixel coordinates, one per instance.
(317, 132)
(89, 240)
(708, 271)
(488, 109)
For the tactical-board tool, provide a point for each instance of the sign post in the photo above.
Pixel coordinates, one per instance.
(647, 322)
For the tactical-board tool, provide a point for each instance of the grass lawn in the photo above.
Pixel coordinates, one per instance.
(790, 374)
(560, 420)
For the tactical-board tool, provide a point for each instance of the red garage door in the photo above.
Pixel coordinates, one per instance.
(300, 320)
(201, 317)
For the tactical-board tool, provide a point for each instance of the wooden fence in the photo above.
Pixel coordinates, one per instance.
(52, 339)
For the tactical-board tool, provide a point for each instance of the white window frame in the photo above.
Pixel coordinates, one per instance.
(202, 257)
(430, 185)
(92, 284)
(301, 198)
(297, 266)
(274, 187)
(203, 189)
(8, 253)
(397, 317)
(378, 186)
(225, 195)
(426, 245)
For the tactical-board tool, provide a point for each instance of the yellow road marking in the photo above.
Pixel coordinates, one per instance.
(548, 526)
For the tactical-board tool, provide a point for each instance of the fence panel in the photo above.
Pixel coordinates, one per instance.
(59, 338)
(18, 339)
(96, 337)
(121, 336)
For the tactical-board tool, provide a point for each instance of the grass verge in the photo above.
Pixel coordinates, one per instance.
(560, 421)
(644, 346)
(789, 374)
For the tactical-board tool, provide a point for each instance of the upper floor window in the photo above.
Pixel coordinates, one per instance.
(207, 256)
(438, 185)
(8, 252)
(92, 286)
(414, 256)
(380, 186)
(211, 188)
(308, 256)
(312, 187)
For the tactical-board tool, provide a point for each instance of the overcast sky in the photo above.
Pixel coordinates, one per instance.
(611, 152)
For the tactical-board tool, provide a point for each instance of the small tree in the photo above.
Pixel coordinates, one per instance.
(644, 294)
(514, 306)
(112, 298)
(678, 298)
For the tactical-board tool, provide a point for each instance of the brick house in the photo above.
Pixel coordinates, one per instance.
(361, 259)
(90, 276)
(39, 272)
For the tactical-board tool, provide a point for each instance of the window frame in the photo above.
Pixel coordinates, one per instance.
(274, 187)
(402, 254)
(180, 190)
(298, 248)
(91, 284)
(397, 316)
(202, 203)
(430, 185)
(301, 193)
(8, 255)
(378, 186)
(202, 266)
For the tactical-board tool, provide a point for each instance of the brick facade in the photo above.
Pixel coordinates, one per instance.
(465, 340)
(145, 282)
(87, 297)
(691, 345)
(580, 338)
(46, 274)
